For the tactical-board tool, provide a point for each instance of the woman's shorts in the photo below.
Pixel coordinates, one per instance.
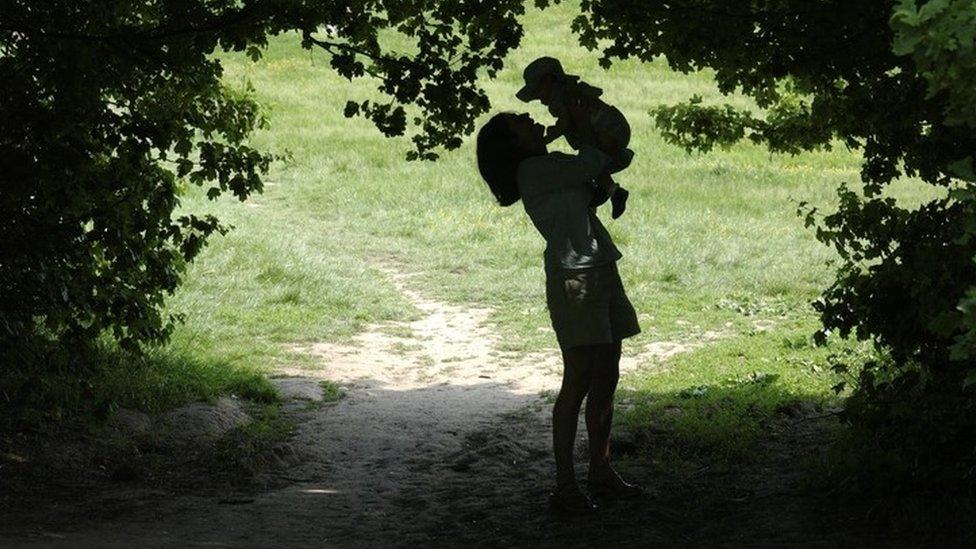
(589, 306)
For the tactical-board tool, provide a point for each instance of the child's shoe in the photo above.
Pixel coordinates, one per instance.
(619, 201)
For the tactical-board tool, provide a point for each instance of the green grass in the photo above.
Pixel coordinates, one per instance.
(104, 379)
(716, 400)
(331, 391)
(710, 242)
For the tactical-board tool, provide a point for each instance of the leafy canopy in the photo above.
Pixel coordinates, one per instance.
(891, 79)
(109, 109)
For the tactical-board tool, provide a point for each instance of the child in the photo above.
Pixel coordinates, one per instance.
(583, 118)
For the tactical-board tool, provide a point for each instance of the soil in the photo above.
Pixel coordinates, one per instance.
(441, 439)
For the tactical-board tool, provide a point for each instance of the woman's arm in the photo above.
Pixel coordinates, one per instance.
(558, 172)
(589, 164)
(574, 171)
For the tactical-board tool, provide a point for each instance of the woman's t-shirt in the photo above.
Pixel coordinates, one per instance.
(556, 191)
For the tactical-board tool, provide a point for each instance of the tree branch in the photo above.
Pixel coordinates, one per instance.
(328, 46)
(229, 20)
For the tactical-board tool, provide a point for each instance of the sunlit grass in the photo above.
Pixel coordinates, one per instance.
(705, 236)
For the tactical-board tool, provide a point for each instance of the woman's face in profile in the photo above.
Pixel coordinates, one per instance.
(531, 134)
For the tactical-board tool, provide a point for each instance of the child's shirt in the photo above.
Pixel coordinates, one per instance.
(561, 94)
(609, 124)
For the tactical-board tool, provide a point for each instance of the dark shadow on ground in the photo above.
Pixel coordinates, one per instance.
(486, 489)
(763, 498)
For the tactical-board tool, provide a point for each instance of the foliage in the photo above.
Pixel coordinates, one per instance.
(111, 108)
(298, 266)
(896, 81)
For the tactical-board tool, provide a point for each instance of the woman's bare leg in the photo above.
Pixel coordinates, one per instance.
(565, 413)
(604, 374)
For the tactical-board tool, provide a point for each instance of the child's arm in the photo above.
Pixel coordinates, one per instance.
(557, 130)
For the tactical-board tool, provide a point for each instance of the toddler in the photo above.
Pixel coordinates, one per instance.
(582, 118)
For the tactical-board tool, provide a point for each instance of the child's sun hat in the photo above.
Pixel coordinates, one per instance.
(537, 70)
(542, 67)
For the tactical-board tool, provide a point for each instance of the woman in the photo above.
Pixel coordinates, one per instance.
(589, 310)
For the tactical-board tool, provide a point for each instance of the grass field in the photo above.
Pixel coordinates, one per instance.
(710, 243)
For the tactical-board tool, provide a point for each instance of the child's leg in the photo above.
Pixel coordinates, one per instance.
(607, 183)
(618, 195)
(619, 159)
(618, 200)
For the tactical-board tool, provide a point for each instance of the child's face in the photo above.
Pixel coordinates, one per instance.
(546, 85)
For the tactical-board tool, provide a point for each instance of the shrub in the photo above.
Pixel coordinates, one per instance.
(894, 80)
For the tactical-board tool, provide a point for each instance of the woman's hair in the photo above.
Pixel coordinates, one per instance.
(499, 155)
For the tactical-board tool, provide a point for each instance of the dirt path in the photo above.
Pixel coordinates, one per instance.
(441, 440)
(421, 398)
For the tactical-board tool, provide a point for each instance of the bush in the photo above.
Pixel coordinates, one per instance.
(97, 137)
(895, 80)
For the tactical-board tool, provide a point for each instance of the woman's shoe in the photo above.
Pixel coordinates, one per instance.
(612, 486)
(570, 500)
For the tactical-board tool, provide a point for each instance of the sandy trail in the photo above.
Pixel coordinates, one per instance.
(438, 427)
(420, 396)
(443, 440)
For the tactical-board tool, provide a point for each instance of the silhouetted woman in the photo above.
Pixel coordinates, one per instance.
(589, 310)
